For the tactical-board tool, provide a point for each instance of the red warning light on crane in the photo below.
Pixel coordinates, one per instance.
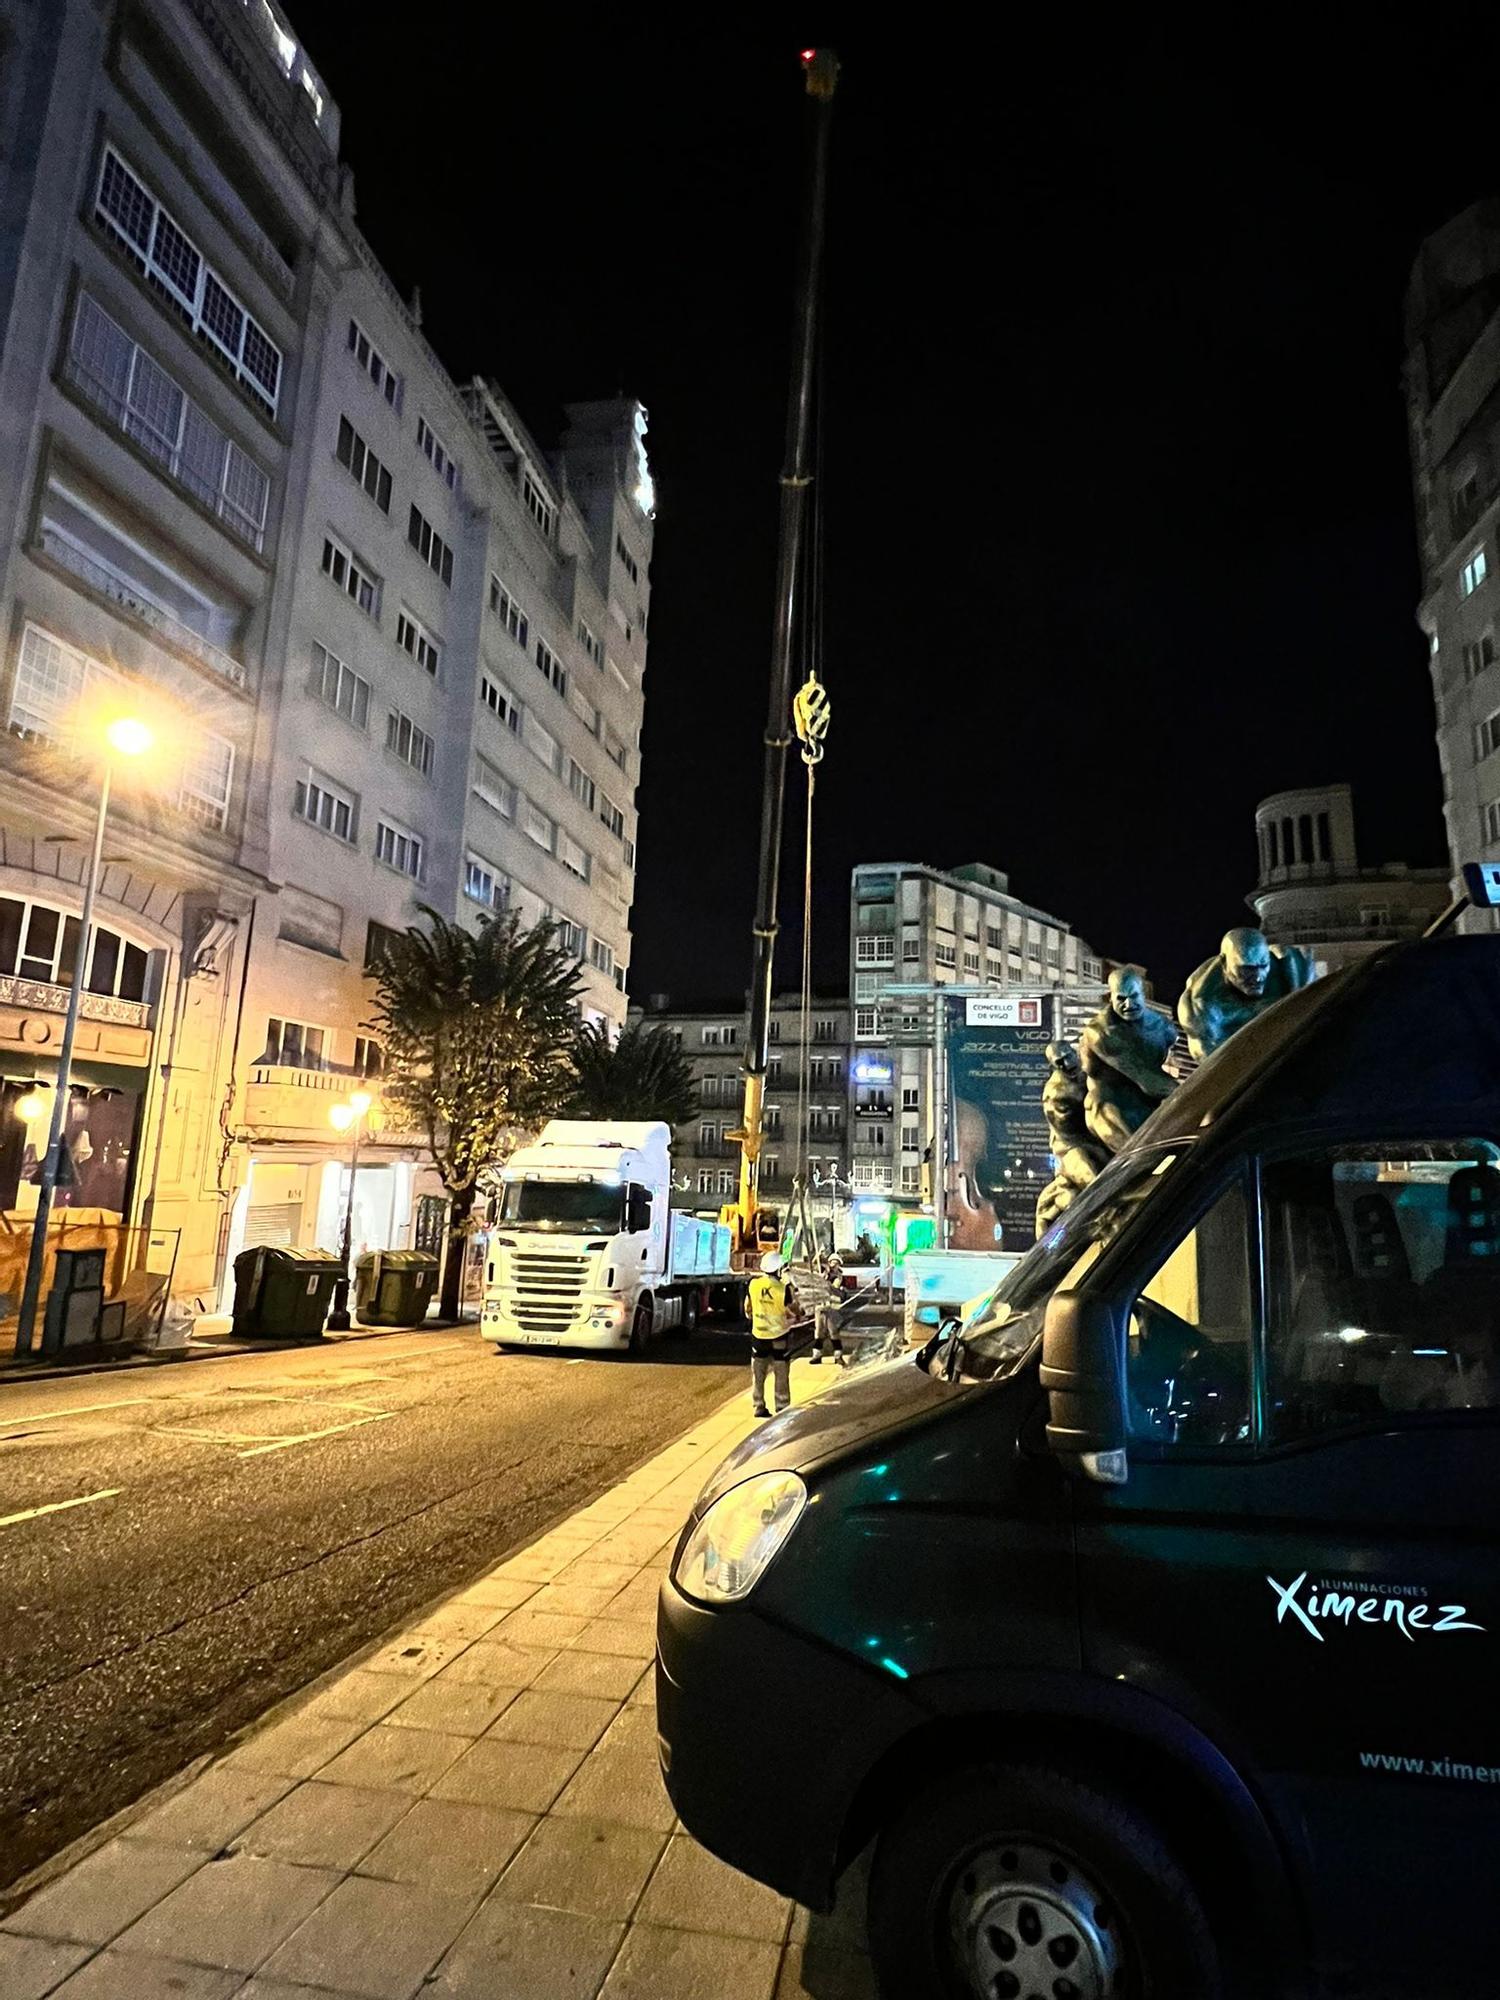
(808, 56)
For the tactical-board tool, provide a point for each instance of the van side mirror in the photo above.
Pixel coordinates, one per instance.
(1082, 1371)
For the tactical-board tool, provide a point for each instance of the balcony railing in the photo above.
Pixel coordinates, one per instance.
(49, 999)
(172, 458)
(119, 591)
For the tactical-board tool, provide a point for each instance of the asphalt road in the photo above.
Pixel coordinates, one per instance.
(181, 1547)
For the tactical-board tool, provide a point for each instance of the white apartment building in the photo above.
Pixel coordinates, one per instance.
(391, 648)
(706, 1160)
(1452, 380)
(914, 926)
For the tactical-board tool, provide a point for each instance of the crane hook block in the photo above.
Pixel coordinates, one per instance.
(811, 711)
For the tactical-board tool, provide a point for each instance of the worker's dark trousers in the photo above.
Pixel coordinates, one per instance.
(772, 1354)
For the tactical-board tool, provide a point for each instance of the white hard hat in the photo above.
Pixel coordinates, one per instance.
(771, 1263)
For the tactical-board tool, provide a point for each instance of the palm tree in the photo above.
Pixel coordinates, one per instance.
(478, 1027)
(642, 1075)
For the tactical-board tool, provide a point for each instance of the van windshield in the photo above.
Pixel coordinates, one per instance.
(1079, 1237)
(583, 1205)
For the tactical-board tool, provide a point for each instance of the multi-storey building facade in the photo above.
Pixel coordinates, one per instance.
(917, 927)
(1453, 408)
(1312, 891)
(705, 1158)
(391, 651)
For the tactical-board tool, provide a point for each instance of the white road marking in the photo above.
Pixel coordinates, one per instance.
(80, 1410)
(58, 1506)
(308, 1437)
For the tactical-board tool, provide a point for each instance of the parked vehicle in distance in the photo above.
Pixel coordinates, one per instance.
(1148, 1624)
(588, 1250)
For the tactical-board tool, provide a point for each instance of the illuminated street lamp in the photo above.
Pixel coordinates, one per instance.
(125, 737)
(347, 1117)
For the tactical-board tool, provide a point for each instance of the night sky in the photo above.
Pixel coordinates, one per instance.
(1119, 530)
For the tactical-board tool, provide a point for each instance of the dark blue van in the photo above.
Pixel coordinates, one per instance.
(1149, 1625)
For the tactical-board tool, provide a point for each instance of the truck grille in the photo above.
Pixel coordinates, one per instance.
(547, 1289)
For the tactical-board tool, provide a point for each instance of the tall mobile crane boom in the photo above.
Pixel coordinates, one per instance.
(821, 69)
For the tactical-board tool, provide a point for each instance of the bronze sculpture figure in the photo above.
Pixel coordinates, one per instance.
(1225, 992)
(1122, 1049)
(1078, 1155)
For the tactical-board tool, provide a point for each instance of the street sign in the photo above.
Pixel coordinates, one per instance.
(1005, 1010)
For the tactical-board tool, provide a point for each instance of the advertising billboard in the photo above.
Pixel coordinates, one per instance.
(998, 1156)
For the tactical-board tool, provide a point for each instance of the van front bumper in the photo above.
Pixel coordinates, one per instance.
(765, 1738)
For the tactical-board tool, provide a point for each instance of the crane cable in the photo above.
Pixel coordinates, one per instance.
(811, 713)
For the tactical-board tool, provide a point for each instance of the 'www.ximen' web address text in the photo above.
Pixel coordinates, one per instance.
(1430, 1767)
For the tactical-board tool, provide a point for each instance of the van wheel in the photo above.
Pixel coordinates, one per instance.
(640, 1330)
(1008, 1883)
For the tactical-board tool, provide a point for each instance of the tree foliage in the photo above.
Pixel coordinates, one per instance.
(478, 1028)
(642, 1075)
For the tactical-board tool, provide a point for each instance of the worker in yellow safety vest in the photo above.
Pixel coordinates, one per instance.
(772, 1303)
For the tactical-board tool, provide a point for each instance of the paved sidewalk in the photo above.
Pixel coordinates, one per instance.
(471, 1810)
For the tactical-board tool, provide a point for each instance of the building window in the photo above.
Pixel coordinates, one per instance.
(536, 826)
(500, 701)
(369, 1057)
(1478, 655)
(708, 1136)
(171, 262)
(908, 1097)
(910, 1143)
(339, 687)
(412, 745)
(1487, 736)
(510, 614)
(726, 1181)
(911, 951)
(379, 940)
(612, 816)
(340, 566)
(496, 790)
(324, 804)
(580, 783)
(433, 448)
(720, 1036)
(573, 856)
(41, 943)
(614, 749)
(705, 1180)
(866, 1022)
(1492, 822)
(1473, 573)
(573, 938)
(122, 382)
(207, 773)
(601, 957)
(971, 961)
(483, 882)
(946, 954)
(399, 848)
(632, 567)
(385, 378)
(357, 458)
(294, 1044)
(430, 545)
(825, 1028)
(911, 1178)
(538, 506)
(551, 666)
(875, 948)
(413, 637)
(591, 643)
(541, 743)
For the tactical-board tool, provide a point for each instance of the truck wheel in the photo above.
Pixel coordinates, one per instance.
(1004, 1883)
(688, 1322)
(640, 1330)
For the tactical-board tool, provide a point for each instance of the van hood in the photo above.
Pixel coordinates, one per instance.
(877, 1400)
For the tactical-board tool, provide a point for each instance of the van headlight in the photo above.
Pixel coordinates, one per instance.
(726, 1555)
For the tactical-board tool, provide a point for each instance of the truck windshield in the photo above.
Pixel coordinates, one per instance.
(1000, 1330)
(586, 1205)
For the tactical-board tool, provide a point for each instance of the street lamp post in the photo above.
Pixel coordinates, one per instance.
(124, 737)
(348, 1117)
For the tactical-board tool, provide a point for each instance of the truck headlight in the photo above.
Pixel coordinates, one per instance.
(726, 1554)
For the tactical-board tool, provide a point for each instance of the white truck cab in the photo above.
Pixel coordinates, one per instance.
(587, 1252)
